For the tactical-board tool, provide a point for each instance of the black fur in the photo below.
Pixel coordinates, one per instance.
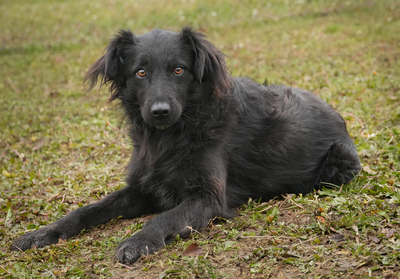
(204, 142)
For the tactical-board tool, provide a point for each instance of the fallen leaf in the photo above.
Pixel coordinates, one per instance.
(61, 241)
(390, 233)
(293, 254)
(39, 144)
(7, 174)
(348, 264)
(368, 170)
(344, 252)
(355, 228)
(281, 275)
(374, 239)
(337, 238)
(192, 250)
(229, 243)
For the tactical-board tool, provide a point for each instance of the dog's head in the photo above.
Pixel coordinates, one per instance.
(161, 72)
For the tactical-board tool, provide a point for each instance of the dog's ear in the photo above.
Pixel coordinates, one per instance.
(109, 66)
(209, 64)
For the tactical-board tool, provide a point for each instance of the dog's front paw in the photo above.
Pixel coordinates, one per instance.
(36, 239)
(131, 249)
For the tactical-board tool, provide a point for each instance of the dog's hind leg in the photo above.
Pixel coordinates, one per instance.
(341, 164)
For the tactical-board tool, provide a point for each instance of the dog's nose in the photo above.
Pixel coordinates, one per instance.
(160, 110)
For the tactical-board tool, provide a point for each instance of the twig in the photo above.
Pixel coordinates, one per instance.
(308, 240)
(265, 209)
(319, 224)
(62, 163)
(355, 117)
(3, 152)
(19, 197)
(264, 203)
(341, 187)
(355, 228)
(392, 267)
(366, 185)
(63, 199)
(327, 79)
(63, 126)
(53, 197)
(16, 90)
(16, 152)
(194, 230)
(127, 266)
(161, 264)
(5, 270)
(267, 236)
(288, 197)
(19, 249)
(115, 128)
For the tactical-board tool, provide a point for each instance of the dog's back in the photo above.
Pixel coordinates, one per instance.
(286, 140)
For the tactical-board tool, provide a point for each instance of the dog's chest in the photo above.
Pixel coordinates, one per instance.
(173, 172)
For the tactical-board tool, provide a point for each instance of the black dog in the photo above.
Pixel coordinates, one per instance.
(204, 142)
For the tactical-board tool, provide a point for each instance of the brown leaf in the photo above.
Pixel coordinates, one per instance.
(321, 219)
(280, 275)
(337, 238)
(390, 233)
(61, 241)
(368, 170)
(374, 239)
(146, 218)
(192, 250)
(344, 263)
(39, 144)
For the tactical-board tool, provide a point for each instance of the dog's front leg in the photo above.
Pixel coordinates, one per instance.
(193, 213)
(126, 203)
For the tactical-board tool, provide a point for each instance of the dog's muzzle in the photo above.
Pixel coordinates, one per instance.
(162, 115)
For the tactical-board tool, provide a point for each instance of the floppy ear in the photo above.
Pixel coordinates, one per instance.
(109, 66)
(209, 64)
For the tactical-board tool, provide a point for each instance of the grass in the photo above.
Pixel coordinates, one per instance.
(61, 148)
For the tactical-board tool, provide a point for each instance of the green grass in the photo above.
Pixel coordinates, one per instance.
(61, 148)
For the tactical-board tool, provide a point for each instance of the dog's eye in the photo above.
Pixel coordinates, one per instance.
(141, 73)
(178, 71)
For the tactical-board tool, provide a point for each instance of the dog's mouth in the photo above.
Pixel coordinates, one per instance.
(162, 126)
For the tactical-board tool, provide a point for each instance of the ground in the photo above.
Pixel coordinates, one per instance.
(62, 147)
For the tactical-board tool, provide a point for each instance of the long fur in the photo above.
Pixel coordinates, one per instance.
(204, 142)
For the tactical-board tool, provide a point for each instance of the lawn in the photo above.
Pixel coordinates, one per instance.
(62, 147)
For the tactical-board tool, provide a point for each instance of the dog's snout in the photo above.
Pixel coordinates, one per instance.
(160, 110)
